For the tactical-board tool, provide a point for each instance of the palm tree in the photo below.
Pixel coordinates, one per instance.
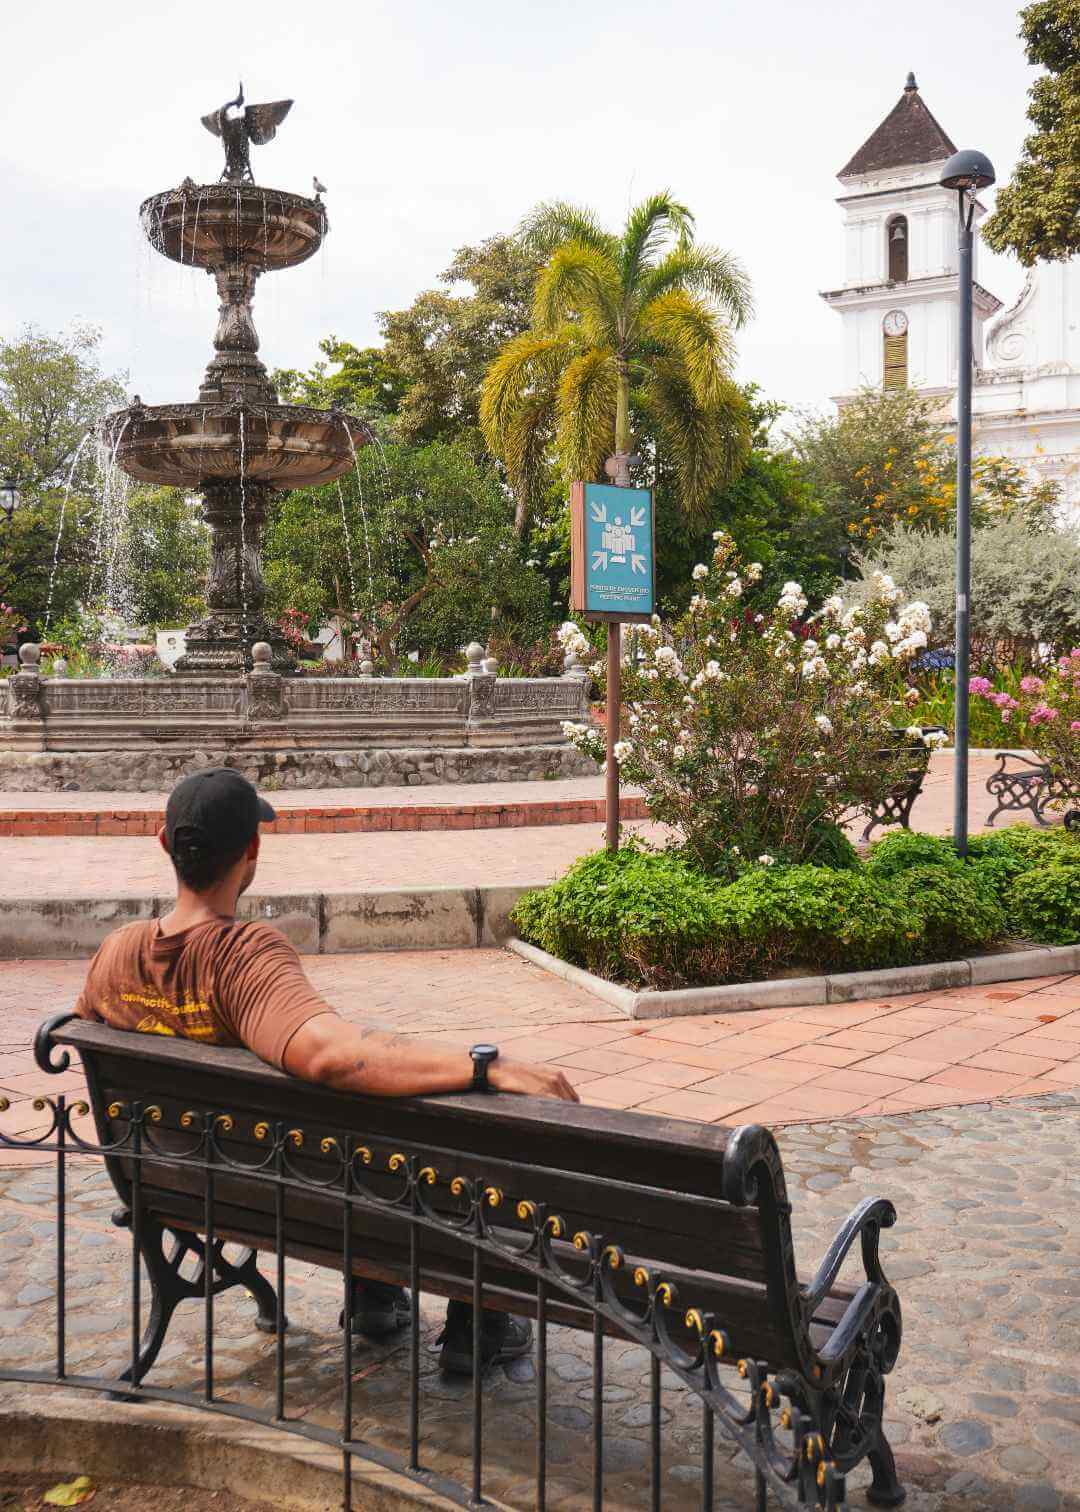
(630, 327)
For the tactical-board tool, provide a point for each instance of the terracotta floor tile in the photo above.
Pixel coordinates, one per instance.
(577, 1077)
(896, 1063)
(971, 1079)
(1041, 1042)
(844, 1015)
(667, 1074)
(1026, 1008)
(735, 1091)
(602, 1059)
(776, 1037)
(1067, 1027)
(686, 1104)
(690, 1031)
(1067, 1074)
(854, 1079)
(782, 1073)
(859, 1039)
(1007, 1060)
(820, 1055)
(953, 1044)
(824, 1102)
(1037, 1087)
(617, 1091)
(587, 1035)
(771, 1113)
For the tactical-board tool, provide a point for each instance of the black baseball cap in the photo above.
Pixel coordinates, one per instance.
(217, 810)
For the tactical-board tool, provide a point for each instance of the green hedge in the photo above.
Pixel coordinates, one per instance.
(651, 918)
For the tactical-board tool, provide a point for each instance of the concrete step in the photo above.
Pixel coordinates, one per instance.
(317, 923)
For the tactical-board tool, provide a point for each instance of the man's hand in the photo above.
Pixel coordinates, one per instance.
(530, 1079)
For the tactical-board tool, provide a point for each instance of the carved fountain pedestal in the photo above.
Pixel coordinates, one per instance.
(236, 444)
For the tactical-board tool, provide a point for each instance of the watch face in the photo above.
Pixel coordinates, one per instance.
(895, 323)
(485, 1052)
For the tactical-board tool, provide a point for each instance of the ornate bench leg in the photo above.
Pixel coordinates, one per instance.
(246, 1273)
(761, 1492)
(885, 1490)
(169, 1287)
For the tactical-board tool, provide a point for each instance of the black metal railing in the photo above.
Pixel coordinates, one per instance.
(583, 1272)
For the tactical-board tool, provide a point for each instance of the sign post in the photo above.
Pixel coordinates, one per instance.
(612, 580)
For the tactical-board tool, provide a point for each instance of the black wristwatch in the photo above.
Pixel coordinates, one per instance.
(482, 1057)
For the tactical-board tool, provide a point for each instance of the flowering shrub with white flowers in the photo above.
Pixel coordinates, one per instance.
(1049, 705)
(753, 735)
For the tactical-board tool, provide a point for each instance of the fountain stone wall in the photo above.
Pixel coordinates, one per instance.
(142, 734)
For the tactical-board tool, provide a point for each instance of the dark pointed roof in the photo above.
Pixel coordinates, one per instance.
(909, 134)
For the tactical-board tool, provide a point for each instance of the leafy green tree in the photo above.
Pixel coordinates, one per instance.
(886, 460)
(365, 383)
(630, 334)
(52, 392)
(444, 342)
(418, 549)
(165, 555)
(1037, 215)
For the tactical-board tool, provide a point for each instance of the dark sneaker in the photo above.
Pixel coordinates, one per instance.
(379, 1309)
(502, 1337)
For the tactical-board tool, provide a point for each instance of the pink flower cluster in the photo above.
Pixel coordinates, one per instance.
(1042, 714)
(1031, 685)
(980, 685)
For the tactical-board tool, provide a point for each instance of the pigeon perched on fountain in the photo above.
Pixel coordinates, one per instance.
(318, 185)
(238, 126)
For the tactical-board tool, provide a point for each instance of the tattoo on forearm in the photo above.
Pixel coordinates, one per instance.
(359, 1065)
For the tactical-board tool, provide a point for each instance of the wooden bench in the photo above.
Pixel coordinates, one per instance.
(674, 1234)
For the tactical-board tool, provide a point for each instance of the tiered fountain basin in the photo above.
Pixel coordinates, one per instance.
(209, 225)
(281, 445)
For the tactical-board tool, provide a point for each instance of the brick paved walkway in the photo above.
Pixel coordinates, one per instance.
(432, 807)
(772, 1066)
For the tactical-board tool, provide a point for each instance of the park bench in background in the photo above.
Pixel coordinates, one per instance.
(1022, 782)
(897, 805)
(672, 1234)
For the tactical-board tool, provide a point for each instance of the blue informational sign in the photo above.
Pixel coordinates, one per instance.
(619, 548)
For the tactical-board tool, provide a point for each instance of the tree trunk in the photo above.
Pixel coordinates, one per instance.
(622, 407)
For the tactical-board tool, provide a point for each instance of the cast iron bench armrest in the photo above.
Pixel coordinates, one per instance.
(865, 1222)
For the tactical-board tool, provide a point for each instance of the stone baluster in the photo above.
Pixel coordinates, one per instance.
(481, 685)
(265, 688)
(25, 702)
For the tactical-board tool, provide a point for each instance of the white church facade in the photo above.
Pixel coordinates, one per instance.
(898, 305)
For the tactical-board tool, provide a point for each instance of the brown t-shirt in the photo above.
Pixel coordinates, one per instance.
(221, 983)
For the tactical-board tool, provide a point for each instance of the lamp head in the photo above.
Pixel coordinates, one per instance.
(9, 497)
(968, 170)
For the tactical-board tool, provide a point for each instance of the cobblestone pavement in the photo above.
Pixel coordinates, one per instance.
(982, 1409)
(770, 1066)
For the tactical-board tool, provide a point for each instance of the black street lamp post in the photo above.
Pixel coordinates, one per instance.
(967, 172)
(9, 498)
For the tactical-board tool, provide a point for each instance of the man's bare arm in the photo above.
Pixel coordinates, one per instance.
(351, 1058)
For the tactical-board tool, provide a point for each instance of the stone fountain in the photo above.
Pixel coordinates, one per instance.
(236, 443)
(231, 699)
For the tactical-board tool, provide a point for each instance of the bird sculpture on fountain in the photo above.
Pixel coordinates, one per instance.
(238, 126)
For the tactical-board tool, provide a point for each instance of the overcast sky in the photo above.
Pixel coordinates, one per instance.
(436, 125)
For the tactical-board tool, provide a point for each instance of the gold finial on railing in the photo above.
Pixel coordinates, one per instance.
(743, 1368)
(114, 1110)
(364, 1154)
(769, 1394)
(555, 1225)
(719, 1341)
(262, 1129)
(396, 1161)
(295, 1138)
(581, 1240)
(694, 1319)
(612, 1257)
(4, 1105)
(785, 1418)
(457, 1186)
(665, 1293)
(641, 1276)
(187, 1119)
(80, 1109)
(493, 1196)
(526, 1210)
(225, 1120)
(39, 1105)
(328, 1144)
(428, 1174)
(154, 1114)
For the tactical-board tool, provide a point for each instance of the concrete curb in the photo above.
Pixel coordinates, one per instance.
(431, 918)
(56, 1431)
(809, 992)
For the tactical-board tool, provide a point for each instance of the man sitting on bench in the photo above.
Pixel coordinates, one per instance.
(200, 974)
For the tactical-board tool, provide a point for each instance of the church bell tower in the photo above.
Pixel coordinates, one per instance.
(898, 299)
